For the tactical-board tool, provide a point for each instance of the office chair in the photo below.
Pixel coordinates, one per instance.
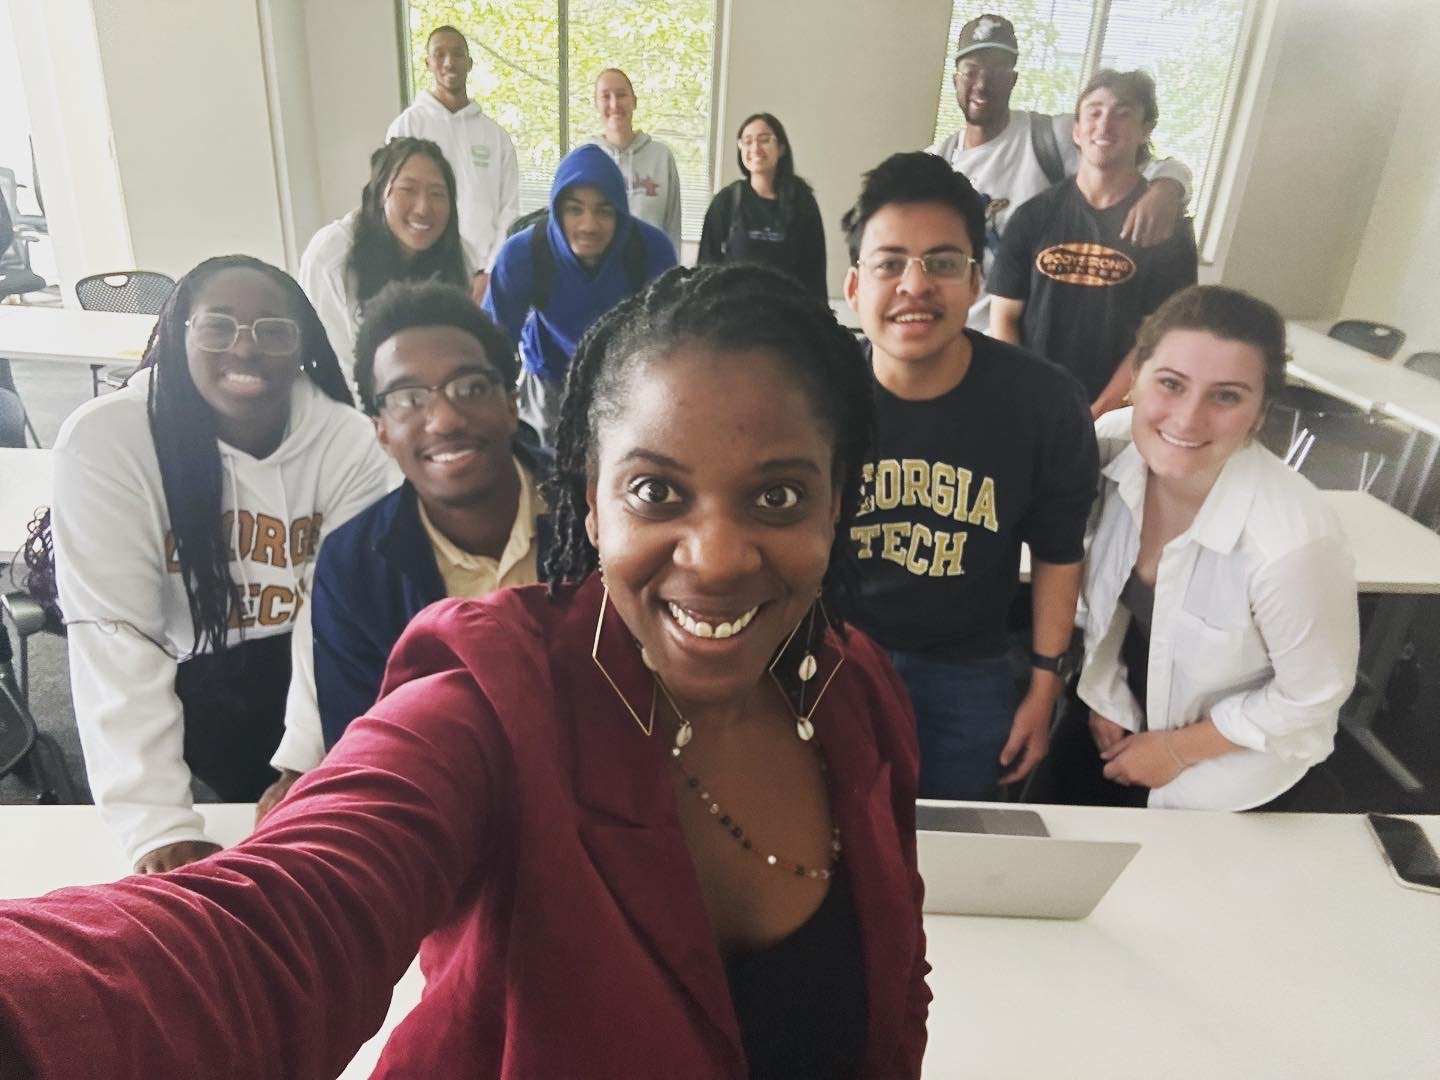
(1426, 363)
(135, 292)
(1375, 338)
(16, 277)
(24, 749)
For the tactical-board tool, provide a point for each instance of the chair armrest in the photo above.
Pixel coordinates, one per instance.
(24, 612)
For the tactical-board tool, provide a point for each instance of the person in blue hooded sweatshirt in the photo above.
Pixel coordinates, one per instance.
(557, 276)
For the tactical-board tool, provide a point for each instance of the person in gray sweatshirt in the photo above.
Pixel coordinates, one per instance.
(651, 179)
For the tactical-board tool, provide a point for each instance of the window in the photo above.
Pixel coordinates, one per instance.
(1193, 48)
(535, 68)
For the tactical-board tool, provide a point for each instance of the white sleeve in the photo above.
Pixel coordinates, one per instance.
(508, 207)
(672, 207)
(1305, 609)
(1170, 169)
(324, 283)
(110, 567)
(303, 744)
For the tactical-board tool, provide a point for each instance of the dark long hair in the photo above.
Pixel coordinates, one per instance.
(787, 184)
(375, 257)
(185, 433)
(730, 306)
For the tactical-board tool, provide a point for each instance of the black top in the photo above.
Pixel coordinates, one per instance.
(960, 481)
(1086, 291)
(801, 1002)
(1139, 599)
(785, 233)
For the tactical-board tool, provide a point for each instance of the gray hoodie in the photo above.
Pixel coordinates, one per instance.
(652, 181)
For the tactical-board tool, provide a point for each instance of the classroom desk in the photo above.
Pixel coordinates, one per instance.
(1384, 387)
(1254, 945)
(24, 485)
(70, 335)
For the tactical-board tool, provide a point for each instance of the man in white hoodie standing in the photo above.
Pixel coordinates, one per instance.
(487, 174)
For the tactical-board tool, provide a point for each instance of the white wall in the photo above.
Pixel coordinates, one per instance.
(1397, 271)
(1321, 141)
(189, 112)
(70, 123)
(852, 82)
(286, 50)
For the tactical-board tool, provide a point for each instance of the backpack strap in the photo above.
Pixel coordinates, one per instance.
(634, 259)
(542, 262)
(1046, 147)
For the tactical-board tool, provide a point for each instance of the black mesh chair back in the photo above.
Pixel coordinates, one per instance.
(1375, 338)
(136, 292)
(1426, 363)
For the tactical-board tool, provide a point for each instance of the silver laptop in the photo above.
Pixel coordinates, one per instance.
(996, 861)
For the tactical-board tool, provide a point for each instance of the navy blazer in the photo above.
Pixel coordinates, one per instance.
(372, 576)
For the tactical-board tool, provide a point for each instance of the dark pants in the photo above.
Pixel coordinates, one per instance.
(235, 715)
(963, 713)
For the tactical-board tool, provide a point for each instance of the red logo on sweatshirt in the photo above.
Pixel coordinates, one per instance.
(646, 184)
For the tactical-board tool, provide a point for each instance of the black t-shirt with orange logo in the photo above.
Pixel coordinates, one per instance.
(1086, 291)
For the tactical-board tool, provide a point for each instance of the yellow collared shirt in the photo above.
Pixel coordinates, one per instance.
(468, 576)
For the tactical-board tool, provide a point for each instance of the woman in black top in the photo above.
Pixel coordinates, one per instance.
(770, 216)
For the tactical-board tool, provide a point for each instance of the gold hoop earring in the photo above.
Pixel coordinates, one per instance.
(595, 656)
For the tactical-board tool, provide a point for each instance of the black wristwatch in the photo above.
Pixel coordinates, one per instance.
(1054, 664)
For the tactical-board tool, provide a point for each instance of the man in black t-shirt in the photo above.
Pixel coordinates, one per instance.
(980, 447)
(1065, 284)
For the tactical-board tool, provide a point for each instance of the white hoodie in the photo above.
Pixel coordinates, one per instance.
(652, 181)
(487, 174)
(129, 621)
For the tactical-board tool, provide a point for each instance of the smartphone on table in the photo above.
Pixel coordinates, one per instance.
(1408, 851)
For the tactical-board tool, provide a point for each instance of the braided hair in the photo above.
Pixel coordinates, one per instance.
(728, 307)
(185, 433)
(375, 257)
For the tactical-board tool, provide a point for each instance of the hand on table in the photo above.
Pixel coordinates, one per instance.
(271, 796)
(1141, 759)
(174, 856)
(1155, 215)
(1029, 739)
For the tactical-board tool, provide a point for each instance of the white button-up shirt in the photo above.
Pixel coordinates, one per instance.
(1255, 623)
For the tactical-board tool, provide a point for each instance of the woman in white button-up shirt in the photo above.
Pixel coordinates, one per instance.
(1253, 627)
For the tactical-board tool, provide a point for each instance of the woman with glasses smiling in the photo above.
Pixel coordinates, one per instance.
(770, 216)
(188, 509)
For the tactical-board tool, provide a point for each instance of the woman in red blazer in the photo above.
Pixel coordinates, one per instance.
(659, 823)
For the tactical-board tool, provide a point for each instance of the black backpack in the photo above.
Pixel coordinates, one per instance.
(1042, 142)
(542, 258)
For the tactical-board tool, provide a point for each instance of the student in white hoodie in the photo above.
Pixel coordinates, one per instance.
(487, 174)
(651, 178)
(406, 229)
(187, 513)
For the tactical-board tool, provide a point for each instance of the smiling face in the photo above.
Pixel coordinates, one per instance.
(588, 220)
(983, 81)
(1198, 399)
(452, 453)
(913, 318)
(615, 100)
(760, 149)
(712, 506)
(448, 60)
(248, 389)
(1110, 130)
(417, 204)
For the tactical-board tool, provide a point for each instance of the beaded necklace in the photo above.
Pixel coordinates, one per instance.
(729, 824)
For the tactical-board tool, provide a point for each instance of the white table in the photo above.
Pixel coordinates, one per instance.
(69, 335)
(1384, 387)
(1254, 945)
(24, 486)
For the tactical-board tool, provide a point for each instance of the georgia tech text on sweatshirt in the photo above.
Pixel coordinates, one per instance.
(949, 492)
(266, 540)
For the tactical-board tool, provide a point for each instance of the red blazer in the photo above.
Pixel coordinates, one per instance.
(502, 805)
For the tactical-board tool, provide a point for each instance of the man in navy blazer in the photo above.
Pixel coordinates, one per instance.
(438, 378)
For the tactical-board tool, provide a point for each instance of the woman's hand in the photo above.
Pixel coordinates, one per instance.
(174, 856)
(271, 796)
(1142, 759)
(1106, 733)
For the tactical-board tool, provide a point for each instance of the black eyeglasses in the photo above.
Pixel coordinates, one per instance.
(465, 391)
(217, 332)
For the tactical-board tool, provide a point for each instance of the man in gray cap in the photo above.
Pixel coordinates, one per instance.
(1012, 156)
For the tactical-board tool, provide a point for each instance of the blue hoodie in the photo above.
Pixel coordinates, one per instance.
(578, 296)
